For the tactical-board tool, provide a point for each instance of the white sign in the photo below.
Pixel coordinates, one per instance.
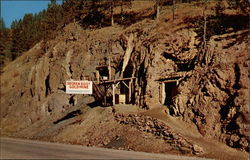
(79, 87)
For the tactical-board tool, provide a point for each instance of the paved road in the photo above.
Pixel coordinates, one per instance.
(28, 149)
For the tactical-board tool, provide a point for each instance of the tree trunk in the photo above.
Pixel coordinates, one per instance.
(203, 60)
(157, 9)
(112, 20)
(112, 13)
(173, 9)
(122, 18)
(205, 27)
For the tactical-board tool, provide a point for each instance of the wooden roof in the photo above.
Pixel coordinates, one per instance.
(172, 76)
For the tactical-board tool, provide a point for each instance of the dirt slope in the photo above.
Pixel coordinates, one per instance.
(211, 107)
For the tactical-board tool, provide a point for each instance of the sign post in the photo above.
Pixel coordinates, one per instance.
(79, 87)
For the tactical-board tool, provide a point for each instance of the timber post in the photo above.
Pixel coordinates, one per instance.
(114, 87)
(130, 88)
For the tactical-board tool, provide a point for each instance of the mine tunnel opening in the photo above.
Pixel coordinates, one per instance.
(47, 86)
(169, 92)
(128, 71)
(103, 72)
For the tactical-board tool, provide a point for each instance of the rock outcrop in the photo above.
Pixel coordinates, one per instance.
(213, 82)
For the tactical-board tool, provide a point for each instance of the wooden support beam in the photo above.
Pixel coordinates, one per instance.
(117, 84)
(160, 92)
(163, 93)
(110, 72)
(114, 87)
(116, 80)
(105, 95)
(125, 84)
(98, 76)
(107, 89)
(130, 91)
(169, 81)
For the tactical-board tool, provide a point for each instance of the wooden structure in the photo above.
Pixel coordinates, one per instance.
(104, 72)
(111, 91)
(168, 90)
(169, 87)
(116, 91)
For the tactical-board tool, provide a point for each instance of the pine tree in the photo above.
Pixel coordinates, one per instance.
(5, 43)
(51, 20)
(112, 12)
(16, 39)
(157, 8)
(2, 24)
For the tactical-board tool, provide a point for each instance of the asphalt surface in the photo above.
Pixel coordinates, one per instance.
(29, 149)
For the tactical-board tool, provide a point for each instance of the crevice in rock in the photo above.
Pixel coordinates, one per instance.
(31, 92)
(128, 71)
(218, 85)
(182, 65)
(168, 56)
(47, 86)
(230, 113)
(232, 127)
(72, 101)
(237, 77)
(142, 83)
(226, 108)
(49, 109)
(62, 87)
(230, 101)
(70, 69)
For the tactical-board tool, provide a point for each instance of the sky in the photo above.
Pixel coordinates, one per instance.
(15, 9)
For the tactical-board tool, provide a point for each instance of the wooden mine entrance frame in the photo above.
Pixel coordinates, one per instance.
(104, 82)
(114, 85)
(163, 94)
(174, 78)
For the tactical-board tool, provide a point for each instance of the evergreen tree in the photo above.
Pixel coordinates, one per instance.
(16, 38)
(51, 19)
(5, 43)
(72, 10)
(2, 24)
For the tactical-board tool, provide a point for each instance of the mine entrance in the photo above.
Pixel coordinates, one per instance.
(108, 90)
(169, 91)
(102, 73)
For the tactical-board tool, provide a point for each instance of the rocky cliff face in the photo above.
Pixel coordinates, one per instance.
(213, 84)
(33, 86)
(215, 95)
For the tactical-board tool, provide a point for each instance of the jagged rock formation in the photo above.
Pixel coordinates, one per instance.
(213, 95)
(216, 94)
